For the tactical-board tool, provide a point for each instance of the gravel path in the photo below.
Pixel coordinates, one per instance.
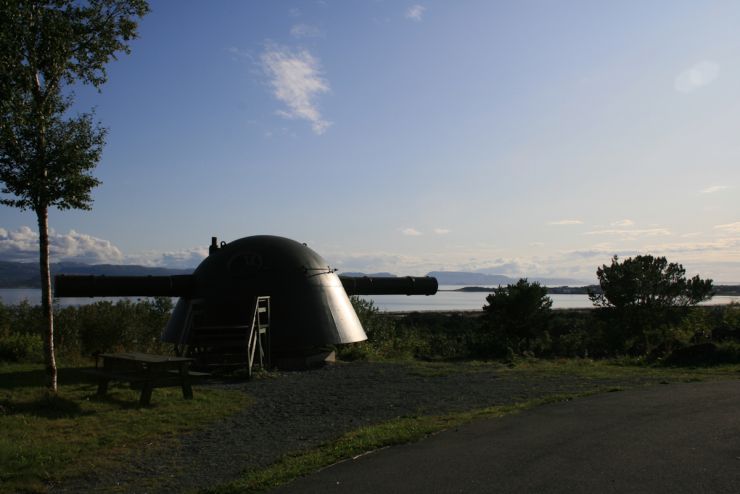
(300, 410)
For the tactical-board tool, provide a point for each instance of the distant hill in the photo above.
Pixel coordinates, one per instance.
(467, 278)
(475, 278)
(371, 275)
(26, 274)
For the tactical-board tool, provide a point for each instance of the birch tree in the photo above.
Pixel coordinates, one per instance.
(47, 154)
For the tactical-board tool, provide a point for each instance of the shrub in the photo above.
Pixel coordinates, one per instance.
(80, 331)
(516, 318)
(21, 347)
(644, 301)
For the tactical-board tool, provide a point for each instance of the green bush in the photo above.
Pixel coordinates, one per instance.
(576, 333)
(647, 305)
(137, 326)
(21, 347)
(80, 331)
(516, 320)
(387, 337)
(724, 321)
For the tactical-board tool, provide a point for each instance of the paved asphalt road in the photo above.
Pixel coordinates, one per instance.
(677, 438)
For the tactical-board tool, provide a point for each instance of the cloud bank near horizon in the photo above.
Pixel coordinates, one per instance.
(715, 256)
(22, 245)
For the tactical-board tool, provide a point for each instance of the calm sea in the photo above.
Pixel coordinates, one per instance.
(443, 300)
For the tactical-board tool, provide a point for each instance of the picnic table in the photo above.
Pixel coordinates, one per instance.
(149, 371)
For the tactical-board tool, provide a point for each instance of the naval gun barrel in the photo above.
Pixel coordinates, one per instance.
(123, 286)
(407, 285)
(184, 286)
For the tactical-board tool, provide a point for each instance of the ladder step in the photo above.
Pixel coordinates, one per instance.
(225, 326)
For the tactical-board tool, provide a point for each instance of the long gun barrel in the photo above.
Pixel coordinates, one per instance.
(184, 286)
(124, 286)
(407, 285)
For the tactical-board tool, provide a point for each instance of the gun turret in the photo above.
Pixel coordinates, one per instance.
(309, 304)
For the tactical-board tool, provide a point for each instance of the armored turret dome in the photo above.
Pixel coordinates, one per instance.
(309, 307)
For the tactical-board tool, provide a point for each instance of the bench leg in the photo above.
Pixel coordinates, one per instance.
(146, 394)
(102, 386)
(187, 389)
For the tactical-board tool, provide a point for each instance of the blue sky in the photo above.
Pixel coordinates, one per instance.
(528, 138)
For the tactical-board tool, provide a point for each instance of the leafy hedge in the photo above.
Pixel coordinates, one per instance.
(562, 333)
(710, 332)
(81, 331)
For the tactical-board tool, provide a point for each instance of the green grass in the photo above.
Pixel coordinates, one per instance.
(47, 438)
(621, 369)
(586, 368)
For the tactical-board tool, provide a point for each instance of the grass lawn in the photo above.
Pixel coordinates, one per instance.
(45, 439)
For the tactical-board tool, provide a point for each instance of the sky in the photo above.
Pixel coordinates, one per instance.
(526, 138)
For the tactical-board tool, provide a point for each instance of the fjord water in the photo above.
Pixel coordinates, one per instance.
(446, 299)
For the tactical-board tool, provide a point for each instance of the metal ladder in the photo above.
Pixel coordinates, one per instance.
(258, 343)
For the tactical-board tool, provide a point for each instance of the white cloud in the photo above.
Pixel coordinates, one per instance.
(726, 245)
(296, 80)
(698, 76)
(719, 259)
(22, 245)
(305, 31)
(729, 227)
(632, 233)
(412, 232)
(441, 231)
(181, 259)
(415, 12)
(566, 222)
(713, 189)
(623, 223)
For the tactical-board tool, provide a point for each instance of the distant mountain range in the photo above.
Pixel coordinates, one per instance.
(467, 279)
(26, 274)
(371, 275)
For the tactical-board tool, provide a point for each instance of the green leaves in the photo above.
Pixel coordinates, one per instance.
(645, 301)
(47, 156)
(648, 281)
(518, 314)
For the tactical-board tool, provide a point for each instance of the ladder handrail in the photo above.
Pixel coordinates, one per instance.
(254, 340)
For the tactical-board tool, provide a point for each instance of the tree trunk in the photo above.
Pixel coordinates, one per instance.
(51, 365)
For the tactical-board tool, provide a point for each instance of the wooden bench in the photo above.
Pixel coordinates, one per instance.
(147, 370)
